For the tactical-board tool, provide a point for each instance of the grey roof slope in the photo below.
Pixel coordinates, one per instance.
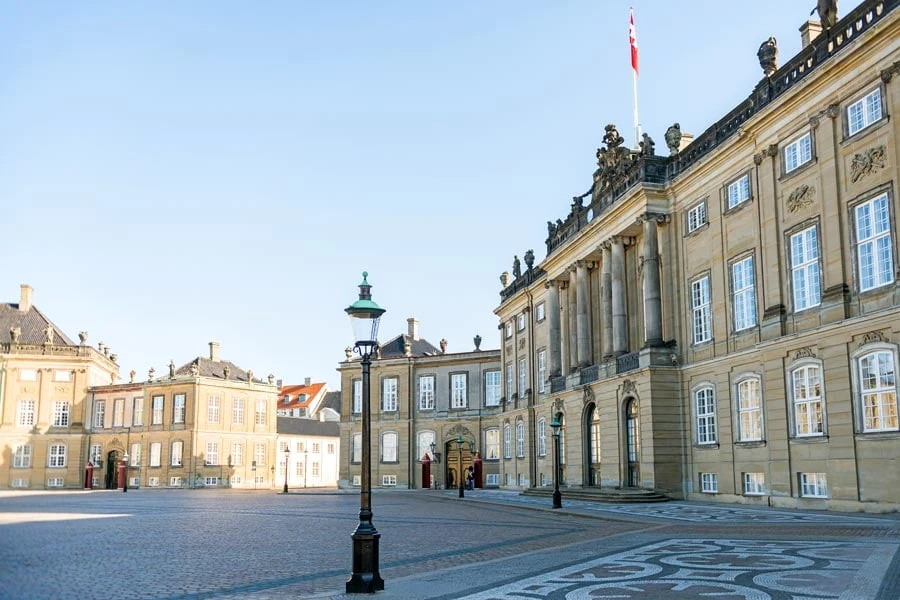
(419, 347)
(215, 368)
(332, 400)
(297, 426)
(32, 323)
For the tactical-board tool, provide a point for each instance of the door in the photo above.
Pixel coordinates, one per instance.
(456, 462)
(632, 440)
(592, 451)
(112, 470)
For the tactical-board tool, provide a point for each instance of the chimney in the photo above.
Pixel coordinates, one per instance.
(307, 382)
(412, 328)
(686, 139)
(25, 298)
(278, 384)
(809, 31)
(214, 351)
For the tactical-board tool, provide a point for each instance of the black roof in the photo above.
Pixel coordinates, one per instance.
(215, 368)
(299, 426)
(332, 400)
(32, 324)
(418, 347)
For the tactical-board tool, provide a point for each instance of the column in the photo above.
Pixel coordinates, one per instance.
(553, 314)
(572, 338)
(606, 300)
(565, 357)
(650, 282)
(619, 310)
(582, 316)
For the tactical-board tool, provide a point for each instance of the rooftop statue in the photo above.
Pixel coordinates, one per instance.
(673, 138)
(768, 56)
(517, 267)
(828, 13)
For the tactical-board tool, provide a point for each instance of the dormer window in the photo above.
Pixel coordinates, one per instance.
(287, 398)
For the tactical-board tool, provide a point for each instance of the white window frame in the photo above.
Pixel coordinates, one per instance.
(389, 447)
(492, 479)
(509, 380)
(520, 439)
(213, 409)
(357, 406)
(57, 454)
(542, 437)
(119, 412)
(542, 371)
(520, 322)
(748, 394)
(806, 280)
(23, 454)
(459, 398)
(259, 453)
(99, 414)
(743, 285)
(754, 484)
(813, 485)
(26, 413)
(426, 392)
(424, 439)
(237, 454)
(96, 456)
(134, 459)
(388, 480)
(701, 315)
(877, 405)
(509, 330)
(808, 399)
(696, 217)
(539, 312)
(237, 411)
(260, 413)
(157, 411)
(179, 408)
(864, 112)
(493, 388)
(176, 454)
(211, 481)
(137, 411)
(738, 191)
(507, 441)
(389, 394)
(705, 407)
(798, 152)
(212, 454)
(175, 481)
(62, 412)
(874, 242)
(155, 454)
(709, 483)
(492, 443)
(523, 377)
(55, 482)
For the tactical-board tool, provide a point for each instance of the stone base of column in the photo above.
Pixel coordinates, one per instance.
(773, 321)
(835, 303)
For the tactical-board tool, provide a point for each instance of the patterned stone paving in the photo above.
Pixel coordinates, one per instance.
(681, 568)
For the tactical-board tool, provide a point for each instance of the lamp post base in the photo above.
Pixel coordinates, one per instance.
(365, 578)
(557, 499)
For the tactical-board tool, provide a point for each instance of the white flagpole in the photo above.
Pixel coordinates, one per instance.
(637, 123)
(632, 41)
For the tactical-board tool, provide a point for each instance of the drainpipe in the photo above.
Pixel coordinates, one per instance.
(411, 429)
(532, 455)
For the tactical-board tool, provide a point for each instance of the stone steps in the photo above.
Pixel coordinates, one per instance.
(607, 495)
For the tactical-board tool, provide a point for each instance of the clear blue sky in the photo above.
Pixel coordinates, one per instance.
(173, 173)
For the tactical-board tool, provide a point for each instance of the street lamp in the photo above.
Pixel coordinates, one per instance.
(287, 463)
(555, 424)
(125, 479)
(364, 316)
(459, 476)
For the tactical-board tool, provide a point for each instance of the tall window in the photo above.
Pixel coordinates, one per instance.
(22, 456)
(744, 294)
(697, 217)
(119, 412)
(237, 454)
(749, 410)
(492, 391)
(25, 416)
(135, 456)
(423, 444)
(212, 453)
(177, 458)
(520, 439)
(805, 268)
(738, 191)
(873, 243)
(137, 411)
(237, 411)
(878, 391)
(798, 152)
(509, 380)
(542, 371)
(523, 377)
(57, 455)
(807, 388)
(260, 412)
(700, 310)
(99, 414)
(157, 416)
(864, 112)
(705, 401)
(539, 312)
(212, 409)
(389, 447)
(259, 453)
(709, 483)
(155, 454)
(458, 396)
(492, 444)
(178, 409)
(61, 412)
(542, 437)
(96, 454)
(426, 392)
(389, 394)
(507, 441)
(357, 396)
(356, 444)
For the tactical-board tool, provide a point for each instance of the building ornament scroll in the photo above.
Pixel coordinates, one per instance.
(588, 394)
(872, 337)
(458, 430)
(628, 387)
(760, 156)
(806, 352)
(866, 163)
(801, 197)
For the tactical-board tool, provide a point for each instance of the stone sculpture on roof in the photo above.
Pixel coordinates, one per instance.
(517, 267)
(768, 56)
(48, 334)
(828, 12)
(171, 369)
(673, 138)
(529, 259)
(14, 333)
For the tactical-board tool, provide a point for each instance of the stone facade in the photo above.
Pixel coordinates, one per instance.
(723, 323)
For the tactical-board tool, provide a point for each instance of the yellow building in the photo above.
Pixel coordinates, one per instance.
(44, 400)
(722, 323)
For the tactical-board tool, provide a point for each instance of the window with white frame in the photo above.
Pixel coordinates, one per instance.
(157, 410)
(177, 454)
(119, 412)
(700, 310)
(56, 457)
(521, 480)
(874, 250)
(492, 388)
(211, 481)
(259, 479)
(237, 411)
(562, 439)
(424, 439)
(237, 454)
(301, 446)
(212, 453)
(96, 455)
(696, 217)
(28, 375)
(492, 444)
(542, 437)
(283, 445)
(357, 397)
(55, 482)
(705, 402)
(520, 439)
(754, 484)
(300, 469)
(492, 479)
(315, 469)
(458, 396)
(389, 447)
(175, 481)
(709, 483)
(155, 454)
(316, 447)
(805, 268)
(509, 330)
(749, 410)
(260, 418)
(259, 453)
(426, 392)
(864, 112)
(807, 395)
(520, 322)
(134, 459)
(539, 312)
(21, 482)
(153, 481)
(878, 391)
(507, 441)
(798, 152)
(542, 371)
(25, 413)
(60, 375)
(329, 449)
(738, 191)
(22, 456)
(509, 380)
(523, 377)
(356, 452)
(178, 408)
(61, 412)
(99, 414)
(137, 411)
(389, 480)
(813, 485)
(389, 394)
(744, 290)
(213, 406)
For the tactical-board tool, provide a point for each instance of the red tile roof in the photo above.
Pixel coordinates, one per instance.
(296, 391)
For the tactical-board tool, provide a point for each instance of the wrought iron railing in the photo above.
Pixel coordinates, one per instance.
(627, 362)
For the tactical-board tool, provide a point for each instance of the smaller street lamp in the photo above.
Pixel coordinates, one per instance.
(125, 479)
(459, 476)
(287, 463)
(557, 498)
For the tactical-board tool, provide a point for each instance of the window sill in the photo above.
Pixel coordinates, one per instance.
(697, 230)
(751, 444)
(809, 439)
(713, 446)
(877, 435)
(709, 492)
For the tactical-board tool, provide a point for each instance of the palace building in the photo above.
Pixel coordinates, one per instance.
(722, 322)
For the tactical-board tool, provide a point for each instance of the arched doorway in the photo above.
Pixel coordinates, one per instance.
(453, 467)
(632, 443)
(112, 470)
(592, 445)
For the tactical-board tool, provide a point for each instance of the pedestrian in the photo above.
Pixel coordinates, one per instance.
(470, 478)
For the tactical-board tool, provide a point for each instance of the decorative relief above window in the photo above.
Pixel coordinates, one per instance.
(866, 163)
(801, 197)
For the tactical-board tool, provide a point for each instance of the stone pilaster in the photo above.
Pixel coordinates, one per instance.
(582, 314)
(553, 314)
(572, 338)
(619, 305)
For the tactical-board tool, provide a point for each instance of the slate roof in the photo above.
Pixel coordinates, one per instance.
(312, 390)
(32, 323)
(332, 400)
(419, 347)
(216, 368)
(295, 426)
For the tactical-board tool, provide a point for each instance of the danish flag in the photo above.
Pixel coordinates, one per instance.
(632, 39)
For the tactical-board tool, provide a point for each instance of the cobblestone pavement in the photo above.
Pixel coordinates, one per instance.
(193, 545)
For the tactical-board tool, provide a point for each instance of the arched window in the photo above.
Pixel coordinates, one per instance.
(806, 390)
(705, 406)
(877, 391)
(520, 439)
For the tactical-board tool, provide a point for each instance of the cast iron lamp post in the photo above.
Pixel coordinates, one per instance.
(364, 316)
(459, 476)
(555, 424)
(287, 464)
(125, 480)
